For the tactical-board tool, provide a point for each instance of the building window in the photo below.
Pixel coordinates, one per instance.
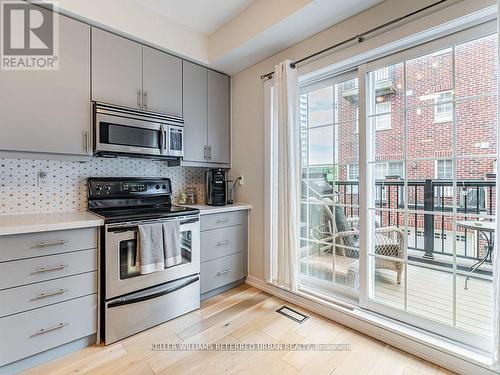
(353, 172)
(383, 119)
(392, 169)
(443, 109)
(444, 169)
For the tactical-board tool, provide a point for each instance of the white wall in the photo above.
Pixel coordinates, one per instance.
(248, 110)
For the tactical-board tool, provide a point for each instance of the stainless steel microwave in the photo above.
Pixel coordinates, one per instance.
(126, 131)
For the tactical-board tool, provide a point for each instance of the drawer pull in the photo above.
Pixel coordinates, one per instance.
(220, 221)
(50, 268)
(51, 243)
(223, 243)
(222, 273)
(53, 328)
(50, 294)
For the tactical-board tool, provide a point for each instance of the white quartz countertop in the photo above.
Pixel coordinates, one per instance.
(207, 210)
(44, 222)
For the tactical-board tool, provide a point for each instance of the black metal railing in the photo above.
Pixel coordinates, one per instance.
(434, 198)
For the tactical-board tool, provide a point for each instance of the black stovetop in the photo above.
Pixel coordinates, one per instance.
(133, 199)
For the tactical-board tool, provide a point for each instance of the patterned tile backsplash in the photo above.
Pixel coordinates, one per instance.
(65, 189)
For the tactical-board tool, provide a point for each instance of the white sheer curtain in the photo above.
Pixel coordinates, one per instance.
(496, 259)
(284, 186)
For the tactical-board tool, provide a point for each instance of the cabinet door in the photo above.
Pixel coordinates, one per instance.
(116, 69)
(195, 111)
(219, 129)
(162, 82)
(49, 111)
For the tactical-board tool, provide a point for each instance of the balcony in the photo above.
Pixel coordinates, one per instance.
(384, 85)
(436, 265)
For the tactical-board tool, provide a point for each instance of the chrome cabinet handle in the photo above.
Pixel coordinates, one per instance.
(209, 152)
(50, 294)
(86, 142)
(45, 330)
(205, 152)
(145, 99)
(222, 243)
(221, 273)
(51, 243)
(50, 268)
(220, 221)
(139, 98)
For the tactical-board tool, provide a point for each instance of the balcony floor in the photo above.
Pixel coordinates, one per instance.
(430, 294)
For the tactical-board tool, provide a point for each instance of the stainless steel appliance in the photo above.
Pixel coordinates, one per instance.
(125, 131)
(131, 302)
(216, 187)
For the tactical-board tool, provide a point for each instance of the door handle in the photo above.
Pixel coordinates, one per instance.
(50, 294)
(205, 152)
(139, 98)
(145, 99)
(45, 330)
(209, 152)
(50, 268)
(223, 243)
(220, 221)
(51, 243)
(86, 142)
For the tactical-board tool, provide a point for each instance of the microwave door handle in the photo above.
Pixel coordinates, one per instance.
(162, 139)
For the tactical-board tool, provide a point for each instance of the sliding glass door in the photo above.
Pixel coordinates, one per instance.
(427, 174)
(329, 243)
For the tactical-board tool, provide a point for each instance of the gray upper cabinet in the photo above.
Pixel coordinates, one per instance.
(195, 112)
(116, 69)
(219, 129)
(207, 130)
(162, 82)
(49, 111)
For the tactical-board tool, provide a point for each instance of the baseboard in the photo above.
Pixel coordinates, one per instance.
(440, 352)
(221, 289)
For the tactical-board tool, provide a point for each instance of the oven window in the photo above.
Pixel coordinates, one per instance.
(129, 266)
(129, 136)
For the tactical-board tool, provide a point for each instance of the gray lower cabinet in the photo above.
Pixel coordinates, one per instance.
(224, 243)
(207, 130)
(116, 69)
(162, 82)
(48, 291)
(49, 111)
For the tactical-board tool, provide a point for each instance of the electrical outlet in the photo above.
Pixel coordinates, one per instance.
(241, 182)
(41, 178)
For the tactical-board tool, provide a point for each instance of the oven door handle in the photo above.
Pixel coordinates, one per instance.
(157, 292)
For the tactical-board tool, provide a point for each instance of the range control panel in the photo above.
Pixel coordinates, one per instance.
(109, 188)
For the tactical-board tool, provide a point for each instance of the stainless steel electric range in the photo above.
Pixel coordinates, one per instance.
(131, 302)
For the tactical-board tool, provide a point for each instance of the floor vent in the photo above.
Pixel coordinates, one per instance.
(292, 314)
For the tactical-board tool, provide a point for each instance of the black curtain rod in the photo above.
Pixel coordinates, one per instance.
(360, 37)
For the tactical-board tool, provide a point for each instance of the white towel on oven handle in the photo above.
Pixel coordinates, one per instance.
(151, 253)
(172, 243)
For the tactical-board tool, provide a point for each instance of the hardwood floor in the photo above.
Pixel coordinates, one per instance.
(243, 315)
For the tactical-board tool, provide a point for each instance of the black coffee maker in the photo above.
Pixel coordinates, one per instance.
(216, 187)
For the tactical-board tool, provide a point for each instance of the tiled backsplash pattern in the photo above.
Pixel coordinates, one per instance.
(65, 186)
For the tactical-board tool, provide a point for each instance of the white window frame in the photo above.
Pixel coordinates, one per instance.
(447, 116)
(447, 162)
(383, 120)
(349, 166)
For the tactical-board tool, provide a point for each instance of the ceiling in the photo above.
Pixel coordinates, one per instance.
(204, 16)
(227, 35)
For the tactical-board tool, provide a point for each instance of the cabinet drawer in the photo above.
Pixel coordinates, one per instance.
(29, 271)
(38, 330)
(221, 271)
(221, 220)
(28, 297)
(21, 246)
(223, 241)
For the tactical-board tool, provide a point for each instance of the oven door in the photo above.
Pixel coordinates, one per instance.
(128, 135)
(121, 271)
